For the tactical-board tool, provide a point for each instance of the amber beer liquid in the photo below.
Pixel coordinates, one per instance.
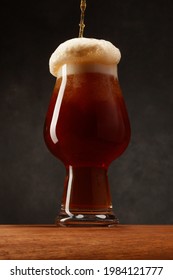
(87, 127)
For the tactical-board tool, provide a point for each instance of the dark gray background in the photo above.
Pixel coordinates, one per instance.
(31, 179)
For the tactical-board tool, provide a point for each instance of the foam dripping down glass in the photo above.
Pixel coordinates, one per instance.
(86, 127)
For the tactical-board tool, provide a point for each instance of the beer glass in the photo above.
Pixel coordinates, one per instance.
(87, 127)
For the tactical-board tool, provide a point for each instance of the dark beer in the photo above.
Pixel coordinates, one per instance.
(86, 127)
(92, 127)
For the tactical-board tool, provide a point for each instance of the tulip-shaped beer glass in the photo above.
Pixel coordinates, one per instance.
(86, 127)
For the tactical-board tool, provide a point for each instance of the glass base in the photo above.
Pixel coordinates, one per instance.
(87, 219)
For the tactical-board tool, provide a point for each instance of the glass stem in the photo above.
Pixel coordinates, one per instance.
(86, 189)
(86, 199)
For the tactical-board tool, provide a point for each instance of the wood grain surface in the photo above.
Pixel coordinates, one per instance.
(123, 242)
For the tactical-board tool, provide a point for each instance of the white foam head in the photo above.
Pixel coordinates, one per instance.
(84, 51)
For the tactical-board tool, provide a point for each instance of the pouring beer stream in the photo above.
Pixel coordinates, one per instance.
(82, 24)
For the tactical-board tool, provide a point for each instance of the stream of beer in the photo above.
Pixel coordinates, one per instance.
(82, 24)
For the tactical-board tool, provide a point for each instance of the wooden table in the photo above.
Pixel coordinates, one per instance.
(123, 242)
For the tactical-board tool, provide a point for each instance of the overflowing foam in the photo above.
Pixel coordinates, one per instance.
(86, 52)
